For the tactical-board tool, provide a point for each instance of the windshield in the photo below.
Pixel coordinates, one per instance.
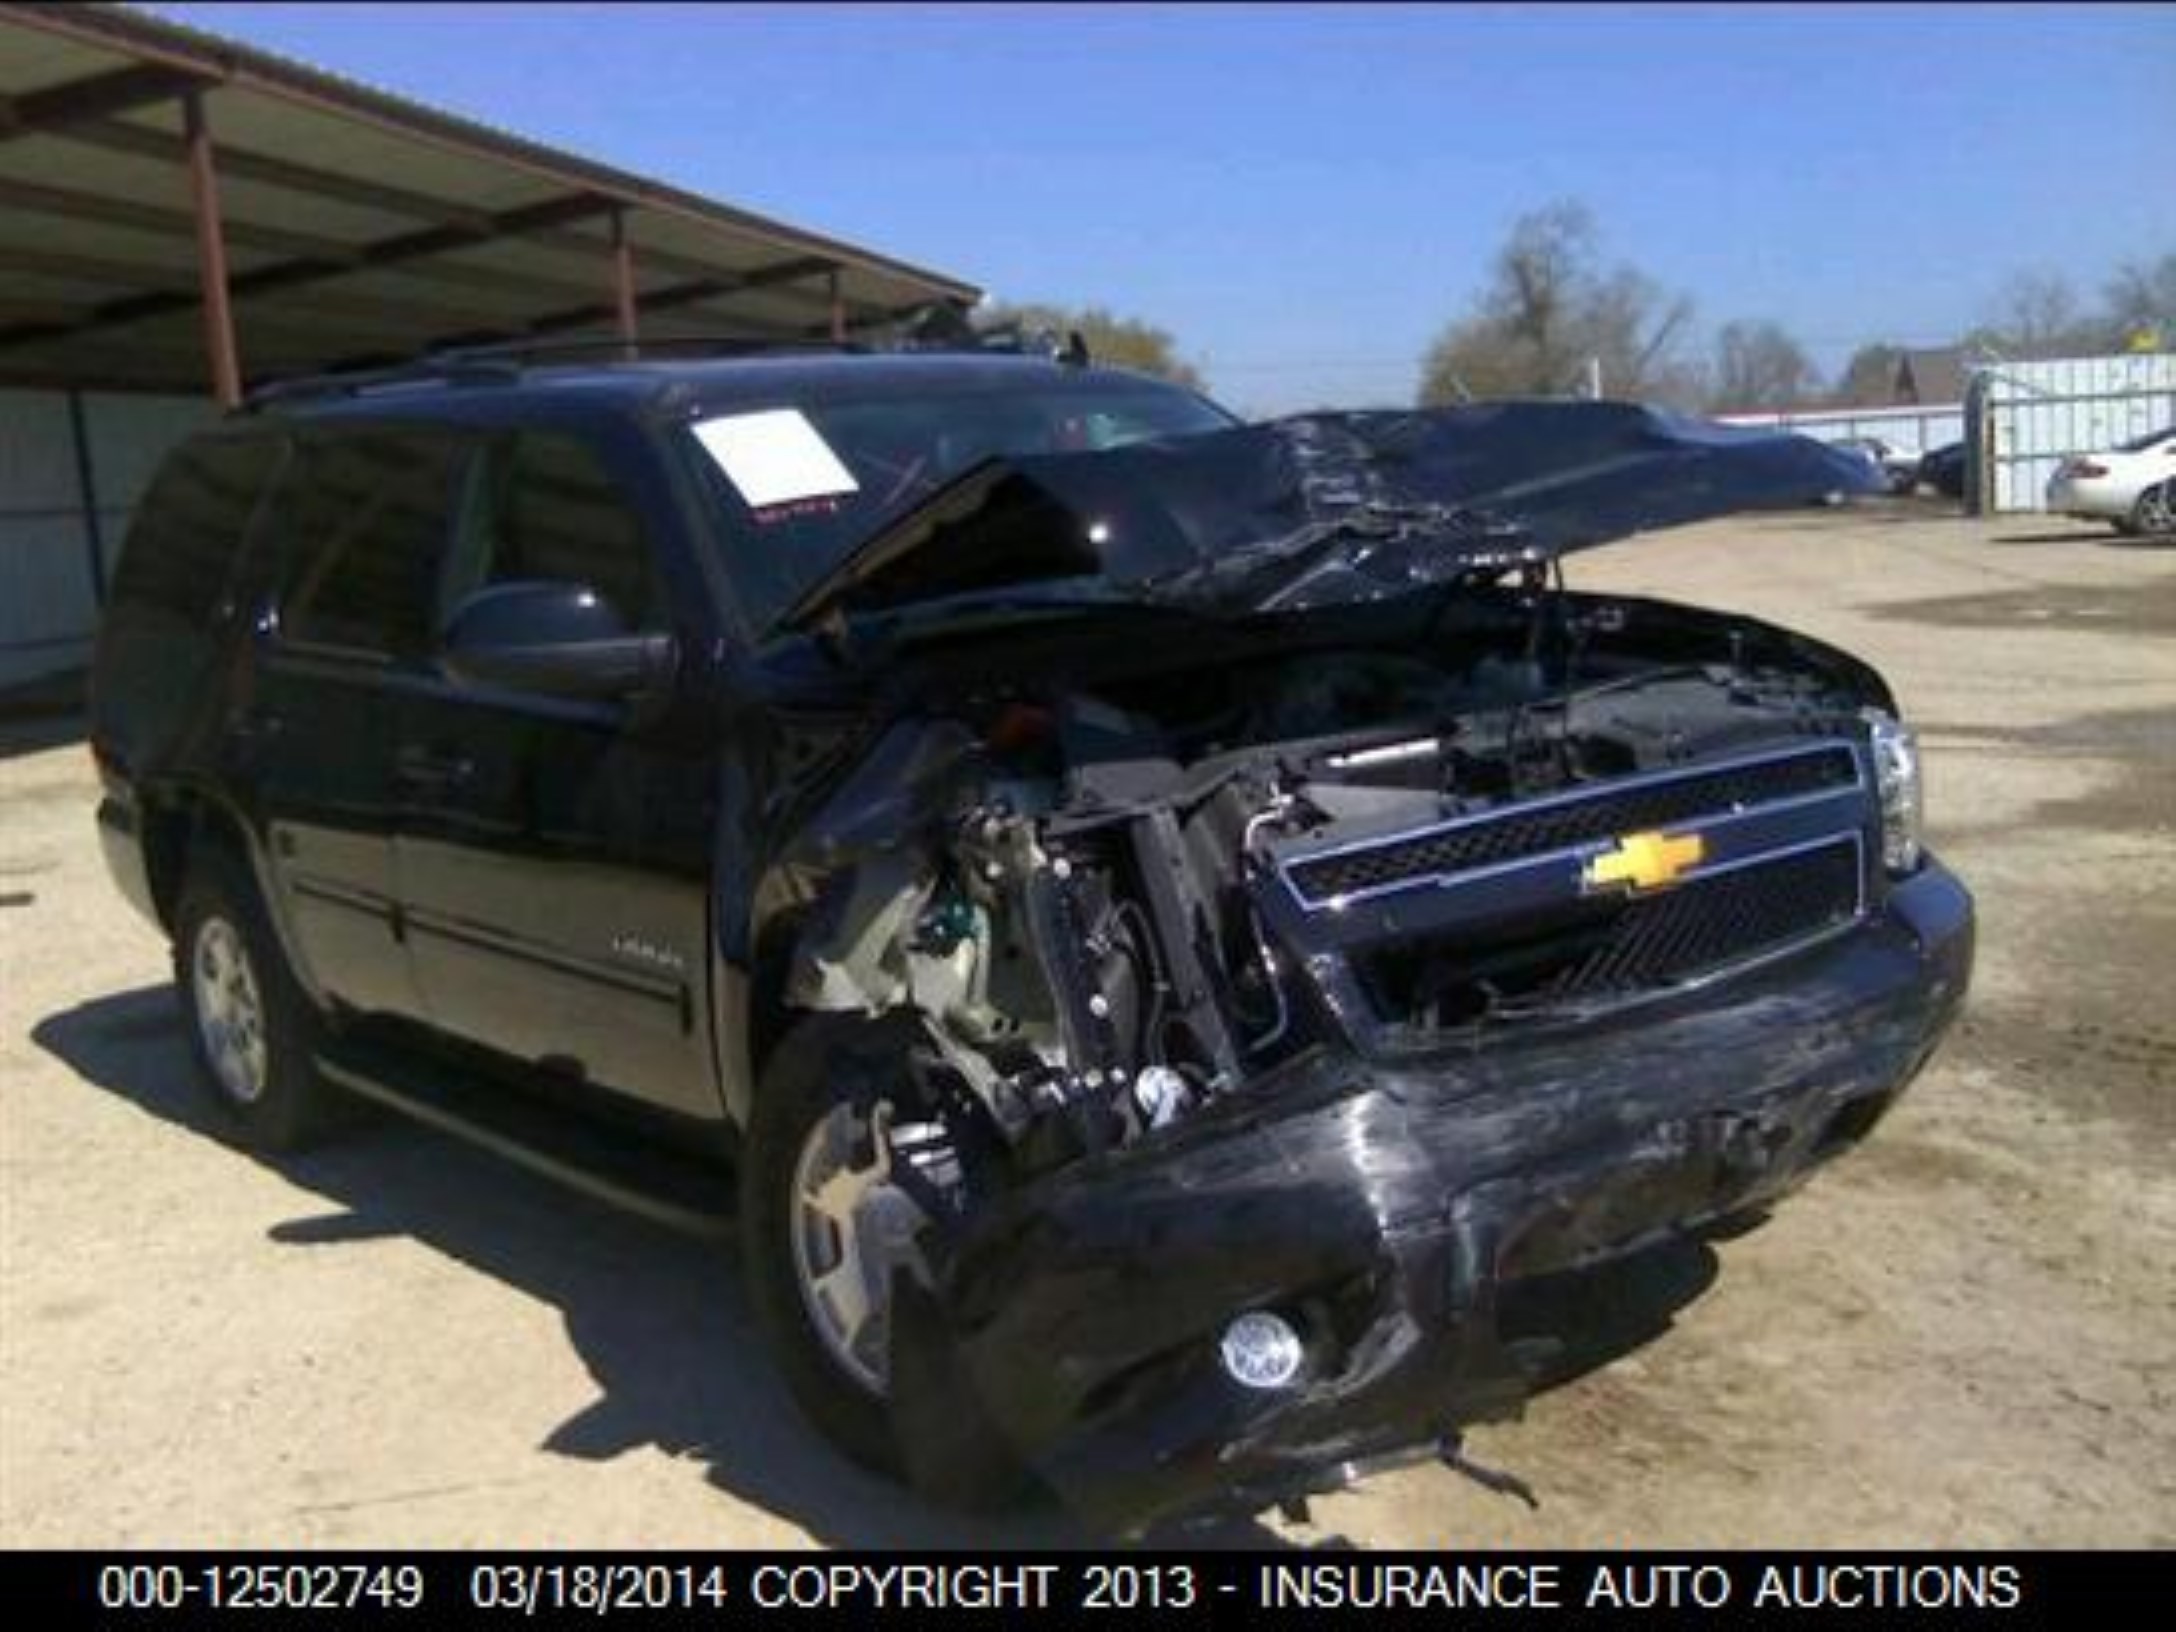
(799, 487)
(2152, 439)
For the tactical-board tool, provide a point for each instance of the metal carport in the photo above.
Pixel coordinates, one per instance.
(184, 214)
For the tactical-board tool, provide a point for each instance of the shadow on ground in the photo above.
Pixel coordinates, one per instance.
(33, 734)
(43, 713)
(2089, 533)
(659, 1319)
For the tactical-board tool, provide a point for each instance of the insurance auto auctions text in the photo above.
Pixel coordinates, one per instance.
(1347, 1584)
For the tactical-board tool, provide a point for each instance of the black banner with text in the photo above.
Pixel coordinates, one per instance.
(654, 1588)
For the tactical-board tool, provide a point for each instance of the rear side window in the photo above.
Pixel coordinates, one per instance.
(364, 519)
(190, 525)
(541, 505)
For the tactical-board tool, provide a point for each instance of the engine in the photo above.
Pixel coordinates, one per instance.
(1149, 891)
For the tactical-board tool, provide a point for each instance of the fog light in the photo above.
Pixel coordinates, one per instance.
(1261, 1350)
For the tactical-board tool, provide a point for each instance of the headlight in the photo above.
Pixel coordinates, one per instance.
(1903, 799)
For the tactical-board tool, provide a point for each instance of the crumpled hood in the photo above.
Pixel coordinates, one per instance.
(1318, 509)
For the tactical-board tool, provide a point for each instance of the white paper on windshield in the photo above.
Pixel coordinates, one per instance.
(774, 457)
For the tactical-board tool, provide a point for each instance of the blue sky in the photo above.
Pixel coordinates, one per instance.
(1304, 195)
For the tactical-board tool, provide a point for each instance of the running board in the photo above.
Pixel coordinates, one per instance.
(667, 1187)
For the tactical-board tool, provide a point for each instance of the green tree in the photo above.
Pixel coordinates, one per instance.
(1551, 312)
(1125, 342)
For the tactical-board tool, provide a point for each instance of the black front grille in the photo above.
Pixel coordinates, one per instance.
(1606, 813)
(1715, 921)
(1610, 948)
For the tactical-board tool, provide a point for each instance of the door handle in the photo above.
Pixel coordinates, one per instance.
(431, 769)
(253, 725)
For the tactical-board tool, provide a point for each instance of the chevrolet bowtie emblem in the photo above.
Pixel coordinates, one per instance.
(1644, 861)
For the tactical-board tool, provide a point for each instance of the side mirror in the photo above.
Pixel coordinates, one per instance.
(561, 640)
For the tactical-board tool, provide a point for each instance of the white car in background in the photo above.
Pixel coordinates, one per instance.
(1899, 467)
(2133, 486)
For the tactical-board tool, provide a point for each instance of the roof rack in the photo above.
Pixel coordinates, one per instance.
(502, 362)
(709, 345)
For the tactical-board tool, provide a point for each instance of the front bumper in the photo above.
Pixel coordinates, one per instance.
(1384, 1208)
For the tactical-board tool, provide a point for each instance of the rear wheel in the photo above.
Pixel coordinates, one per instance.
(250, 1024)
(2155, 512)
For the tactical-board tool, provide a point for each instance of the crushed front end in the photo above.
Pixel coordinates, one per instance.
(1348, 986)
(1380, 1208)
(1325, 922)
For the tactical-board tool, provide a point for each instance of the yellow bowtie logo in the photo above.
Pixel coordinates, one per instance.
(1645, 861)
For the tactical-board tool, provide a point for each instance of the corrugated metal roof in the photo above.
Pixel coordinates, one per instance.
(356, 221)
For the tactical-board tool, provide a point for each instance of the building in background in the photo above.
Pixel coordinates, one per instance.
(183, 216)
(1929, 375)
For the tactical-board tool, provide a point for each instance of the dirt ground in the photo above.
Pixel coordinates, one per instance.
(1963, 1334)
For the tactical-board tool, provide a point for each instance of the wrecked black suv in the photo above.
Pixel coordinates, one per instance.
(1168, 919)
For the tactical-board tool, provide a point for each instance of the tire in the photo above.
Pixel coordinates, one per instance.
(251, 1026)
(2154, 515)
(817, 1068)
(936, 1436)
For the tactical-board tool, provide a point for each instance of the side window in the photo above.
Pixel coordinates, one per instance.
(190, 526)
(365, 519)
(542, 505)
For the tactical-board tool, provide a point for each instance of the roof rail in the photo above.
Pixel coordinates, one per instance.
(357, 381)
(501, 362)
(709, 345)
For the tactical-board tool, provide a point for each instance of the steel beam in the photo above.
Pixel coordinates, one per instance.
(623, 278)
(674, 296)
(311, 181)
(58, 107)
(211, 254)
(384, 253)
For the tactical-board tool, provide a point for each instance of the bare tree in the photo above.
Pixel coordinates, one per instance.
(2036, 314)
(1125, 341)
(1549, 310)
(1759, 366)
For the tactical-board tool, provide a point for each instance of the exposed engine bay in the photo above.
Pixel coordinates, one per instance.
(1108, 927)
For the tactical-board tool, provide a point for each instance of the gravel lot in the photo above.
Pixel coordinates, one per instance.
(1965, 1334)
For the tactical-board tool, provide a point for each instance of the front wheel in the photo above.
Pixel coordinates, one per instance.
(829, 1242)
(823, 1227)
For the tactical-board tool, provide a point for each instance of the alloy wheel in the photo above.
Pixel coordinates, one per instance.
(851, 1227)
(229, 1011)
